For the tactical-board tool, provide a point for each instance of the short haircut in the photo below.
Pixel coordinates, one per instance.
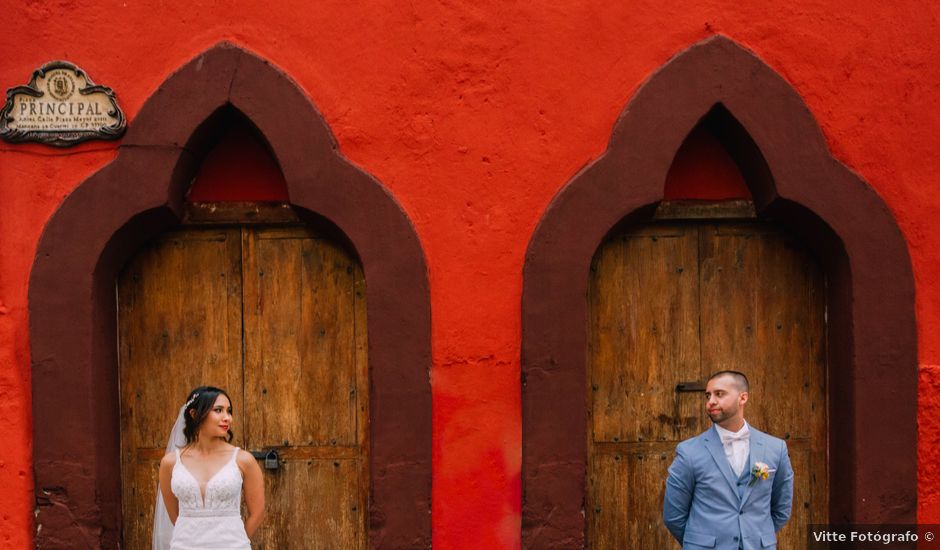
(739, 378)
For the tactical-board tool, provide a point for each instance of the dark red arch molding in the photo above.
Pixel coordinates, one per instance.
(794, 180)
(138, 195)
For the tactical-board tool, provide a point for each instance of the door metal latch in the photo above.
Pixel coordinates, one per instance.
(269, 458)
(690, 386)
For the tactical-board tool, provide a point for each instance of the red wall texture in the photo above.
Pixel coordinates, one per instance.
(474, 114)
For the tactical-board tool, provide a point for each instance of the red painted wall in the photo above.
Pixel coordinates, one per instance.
(474, 114)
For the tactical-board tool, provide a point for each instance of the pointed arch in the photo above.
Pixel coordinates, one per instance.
(793, 178)
(139, 195)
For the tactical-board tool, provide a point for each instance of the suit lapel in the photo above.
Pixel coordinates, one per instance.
(717, 450)
(757, 455)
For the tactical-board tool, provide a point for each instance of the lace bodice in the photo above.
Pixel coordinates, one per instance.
(223, 490)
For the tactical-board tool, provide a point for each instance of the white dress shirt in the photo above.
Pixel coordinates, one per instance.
(737, 446)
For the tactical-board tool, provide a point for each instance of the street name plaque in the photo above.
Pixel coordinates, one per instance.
(60, 106)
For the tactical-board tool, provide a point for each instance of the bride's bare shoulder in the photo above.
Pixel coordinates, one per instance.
(245, 460)
(168, 459)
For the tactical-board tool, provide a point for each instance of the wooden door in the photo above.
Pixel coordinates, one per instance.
(306, 386)
(669, 304)
(179, 311)
(276, 316)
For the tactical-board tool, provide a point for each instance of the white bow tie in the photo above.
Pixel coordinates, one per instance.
(728, 438)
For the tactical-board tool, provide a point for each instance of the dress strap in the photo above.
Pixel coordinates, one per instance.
(234, 455)
(177, 450)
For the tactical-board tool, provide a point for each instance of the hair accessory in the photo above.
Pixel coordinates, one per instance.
(190, 402)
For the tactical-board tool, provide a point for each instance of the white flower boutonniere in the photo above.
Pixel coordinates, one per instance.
(760, 471)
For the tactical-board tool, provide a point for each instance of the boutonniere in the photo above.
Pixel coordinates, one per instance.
(760, 471)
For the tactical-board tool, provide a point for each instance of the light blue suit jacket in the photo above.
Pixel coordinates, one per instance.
(704, 505)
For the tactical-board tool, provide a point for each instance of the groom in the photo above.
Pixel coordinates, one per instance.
(731, 486)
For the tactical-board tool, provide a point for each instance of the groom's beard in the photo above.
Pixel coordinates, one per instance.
(722, 414)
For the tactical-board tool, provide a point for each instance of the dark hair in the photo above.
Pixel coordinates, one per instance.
(198, 404)
(739, 378)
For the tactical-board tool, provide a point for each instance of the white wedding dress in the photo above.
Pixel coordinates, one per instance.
(212, 522)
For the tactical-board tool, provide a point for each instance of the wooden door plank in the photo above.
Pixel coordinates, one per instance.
(301, 355)
(643, 341)
(620, 512)
(306, 384)
(363, 416)
(644, 306)
(179, 326)
(763, 302)
(318, 502)
(272, 315)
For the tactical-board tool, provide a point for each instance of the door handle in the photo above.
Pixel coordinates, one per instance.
(268, 457)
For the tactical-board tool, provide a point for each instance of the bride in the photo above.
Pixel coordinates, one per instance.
(201, 478)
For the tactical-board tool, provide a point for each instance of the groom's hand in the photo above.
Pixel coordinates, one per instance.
(678, 499)
(781, 497)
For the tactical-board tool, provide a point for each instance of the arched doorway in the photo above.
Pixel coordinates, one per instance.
(139, 197)
(704, 286)
(871, 337)
(245, 296)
